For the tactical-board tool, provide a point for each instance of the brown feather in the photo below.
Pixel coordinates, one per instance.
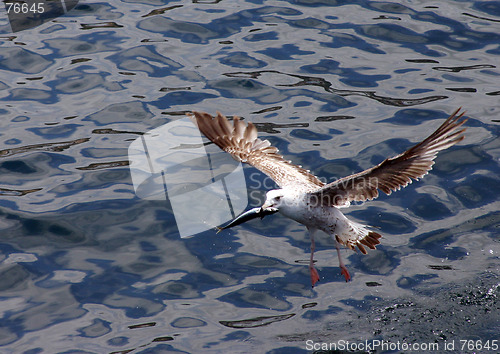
(242, 143)
(394, 173)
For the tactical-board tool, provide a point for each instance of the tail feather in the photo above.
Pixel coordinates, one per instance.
(358, 236)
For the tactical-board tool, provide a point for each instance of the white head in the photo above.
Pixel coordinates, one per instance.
(288, 202)
(274, 199)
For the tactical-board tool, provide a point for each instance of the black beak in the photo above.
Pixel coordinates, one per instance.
(249, 215)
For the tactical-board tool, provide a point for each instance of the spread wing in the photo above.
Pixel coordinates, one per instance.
(241, 141)
(396, 172)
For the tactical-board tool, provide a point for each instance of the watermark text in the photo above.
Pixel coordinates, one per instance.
(383, 345)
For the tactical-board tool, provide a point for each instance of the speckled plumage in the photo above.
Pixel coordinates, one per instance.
(305, 199)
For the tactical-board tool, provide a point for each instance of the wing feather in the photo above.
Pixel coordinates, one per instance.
(241, 141)
(396, 172)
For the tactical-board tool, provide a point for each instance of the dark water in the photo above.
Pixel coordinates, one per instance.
(88, 267)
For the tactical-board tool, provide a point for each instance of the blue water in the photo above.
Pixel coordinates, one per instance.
(88, 267)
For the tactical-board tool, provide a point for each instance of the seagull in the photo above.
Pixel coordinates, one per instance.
(304, 198)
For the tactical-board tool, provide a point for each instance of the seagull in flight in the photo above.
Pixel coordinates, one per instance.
(304, 198)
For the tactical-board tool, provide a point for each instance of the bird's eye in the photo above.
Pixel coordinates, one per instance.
(278, 197)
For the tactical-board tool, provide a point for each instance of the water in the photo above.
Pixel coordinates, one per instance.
(88, 267)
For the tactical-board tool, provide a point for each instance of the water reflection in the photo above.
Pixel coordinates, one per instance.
(85, 265)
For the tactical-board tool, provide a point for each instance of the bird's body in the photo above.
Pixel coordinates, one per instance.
(304, 198)
(299, 206)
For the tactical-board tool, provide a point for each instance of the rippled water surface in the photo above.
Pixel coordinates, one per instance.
(88, 267)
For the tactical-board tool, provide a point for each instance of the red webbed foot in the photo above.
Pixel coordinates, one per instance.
(345, 273)
(314, 276)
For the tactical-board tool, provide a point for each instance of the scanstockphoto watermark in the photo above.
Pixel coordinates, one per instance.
(373, 345)
(359, 189)
(204, 185)
(383, 345)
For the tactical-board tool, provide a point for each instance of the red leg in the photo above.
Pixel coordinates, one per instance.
(312, 270)
(343, 268)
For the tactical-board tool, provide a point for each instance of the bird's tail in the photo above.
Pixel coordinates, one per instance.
(357, 235)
